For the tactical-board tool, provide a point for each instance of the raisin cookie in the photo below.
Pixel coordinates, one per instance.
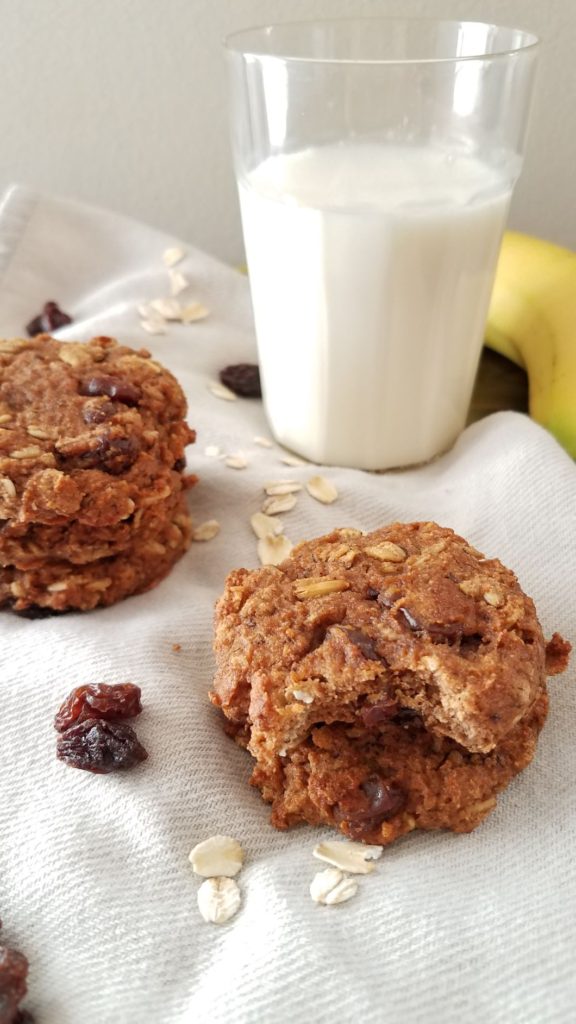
(383, 682)
(59, 586)
(92, 440)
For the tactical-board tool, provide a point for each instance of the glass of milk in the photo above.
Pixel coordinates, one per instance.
(375, 161)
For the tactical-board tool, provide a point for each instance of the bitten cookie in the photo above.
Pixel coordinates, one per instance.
(383, 682)
(92, 440)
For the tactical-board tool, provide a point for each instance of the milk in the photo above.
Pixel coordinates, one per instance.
(371, 269)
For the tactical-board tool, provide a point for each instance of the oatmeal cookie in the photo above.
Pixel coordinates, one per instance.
(59, 586)
(86, 537)
(78, 418)
(92, 440)
(383, 681)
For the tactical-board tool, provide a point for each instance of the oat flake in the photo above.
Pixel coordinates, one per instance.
(237, 461)
(8, 489)
(194, 311)
(273, 550)
(31, 452)
(282, 503)
(207, 530)
(221, 391)
(303, 696)
(218, 899)
(170, 257)
(217, 856)
(332, 886)
(264, 525)
(169, 309)
(153, 326)
(322, 489)
(355, 858)
(277, 487)
(178, 283)
(212, 451)
(292, 460)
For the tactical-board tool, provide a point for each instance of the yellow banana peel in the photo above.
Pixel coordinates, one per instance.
(532, 321)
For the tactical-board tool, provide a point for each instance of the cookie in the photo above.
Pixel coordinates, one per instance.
(86, 537)
(92, 440)
(399, 670)
(68, 408)
(59, 586)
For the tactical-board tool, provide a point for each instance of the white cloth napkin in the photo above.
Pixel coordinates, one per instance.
(95, 884)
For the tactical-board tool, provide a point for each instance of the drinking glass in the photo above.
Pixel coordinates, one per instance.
(375, 161)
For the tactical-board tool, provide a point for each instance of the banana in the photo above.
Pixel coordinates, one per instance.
(532, 321)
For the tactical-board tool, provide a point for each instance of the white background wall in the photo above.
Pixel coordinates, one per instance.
(123, 103)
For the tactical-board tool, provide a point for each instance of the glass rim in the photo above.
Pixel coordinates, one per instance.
(233, 43)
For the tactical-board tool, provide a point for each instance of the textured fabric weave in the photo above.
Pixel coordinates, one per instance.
(95, 884)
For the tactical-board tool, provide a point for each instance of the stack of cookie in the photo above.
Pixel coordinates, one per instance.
(383, 682)
(92, 491)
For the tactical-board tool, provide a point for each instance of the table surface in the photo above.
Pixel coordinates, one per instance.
(500, 384)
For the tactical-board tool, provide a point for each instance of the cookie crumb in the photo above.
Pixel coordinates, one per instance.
(557, 652)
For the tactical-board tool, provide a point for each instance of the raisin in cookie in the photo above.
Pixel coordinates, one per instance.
(383, 681)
